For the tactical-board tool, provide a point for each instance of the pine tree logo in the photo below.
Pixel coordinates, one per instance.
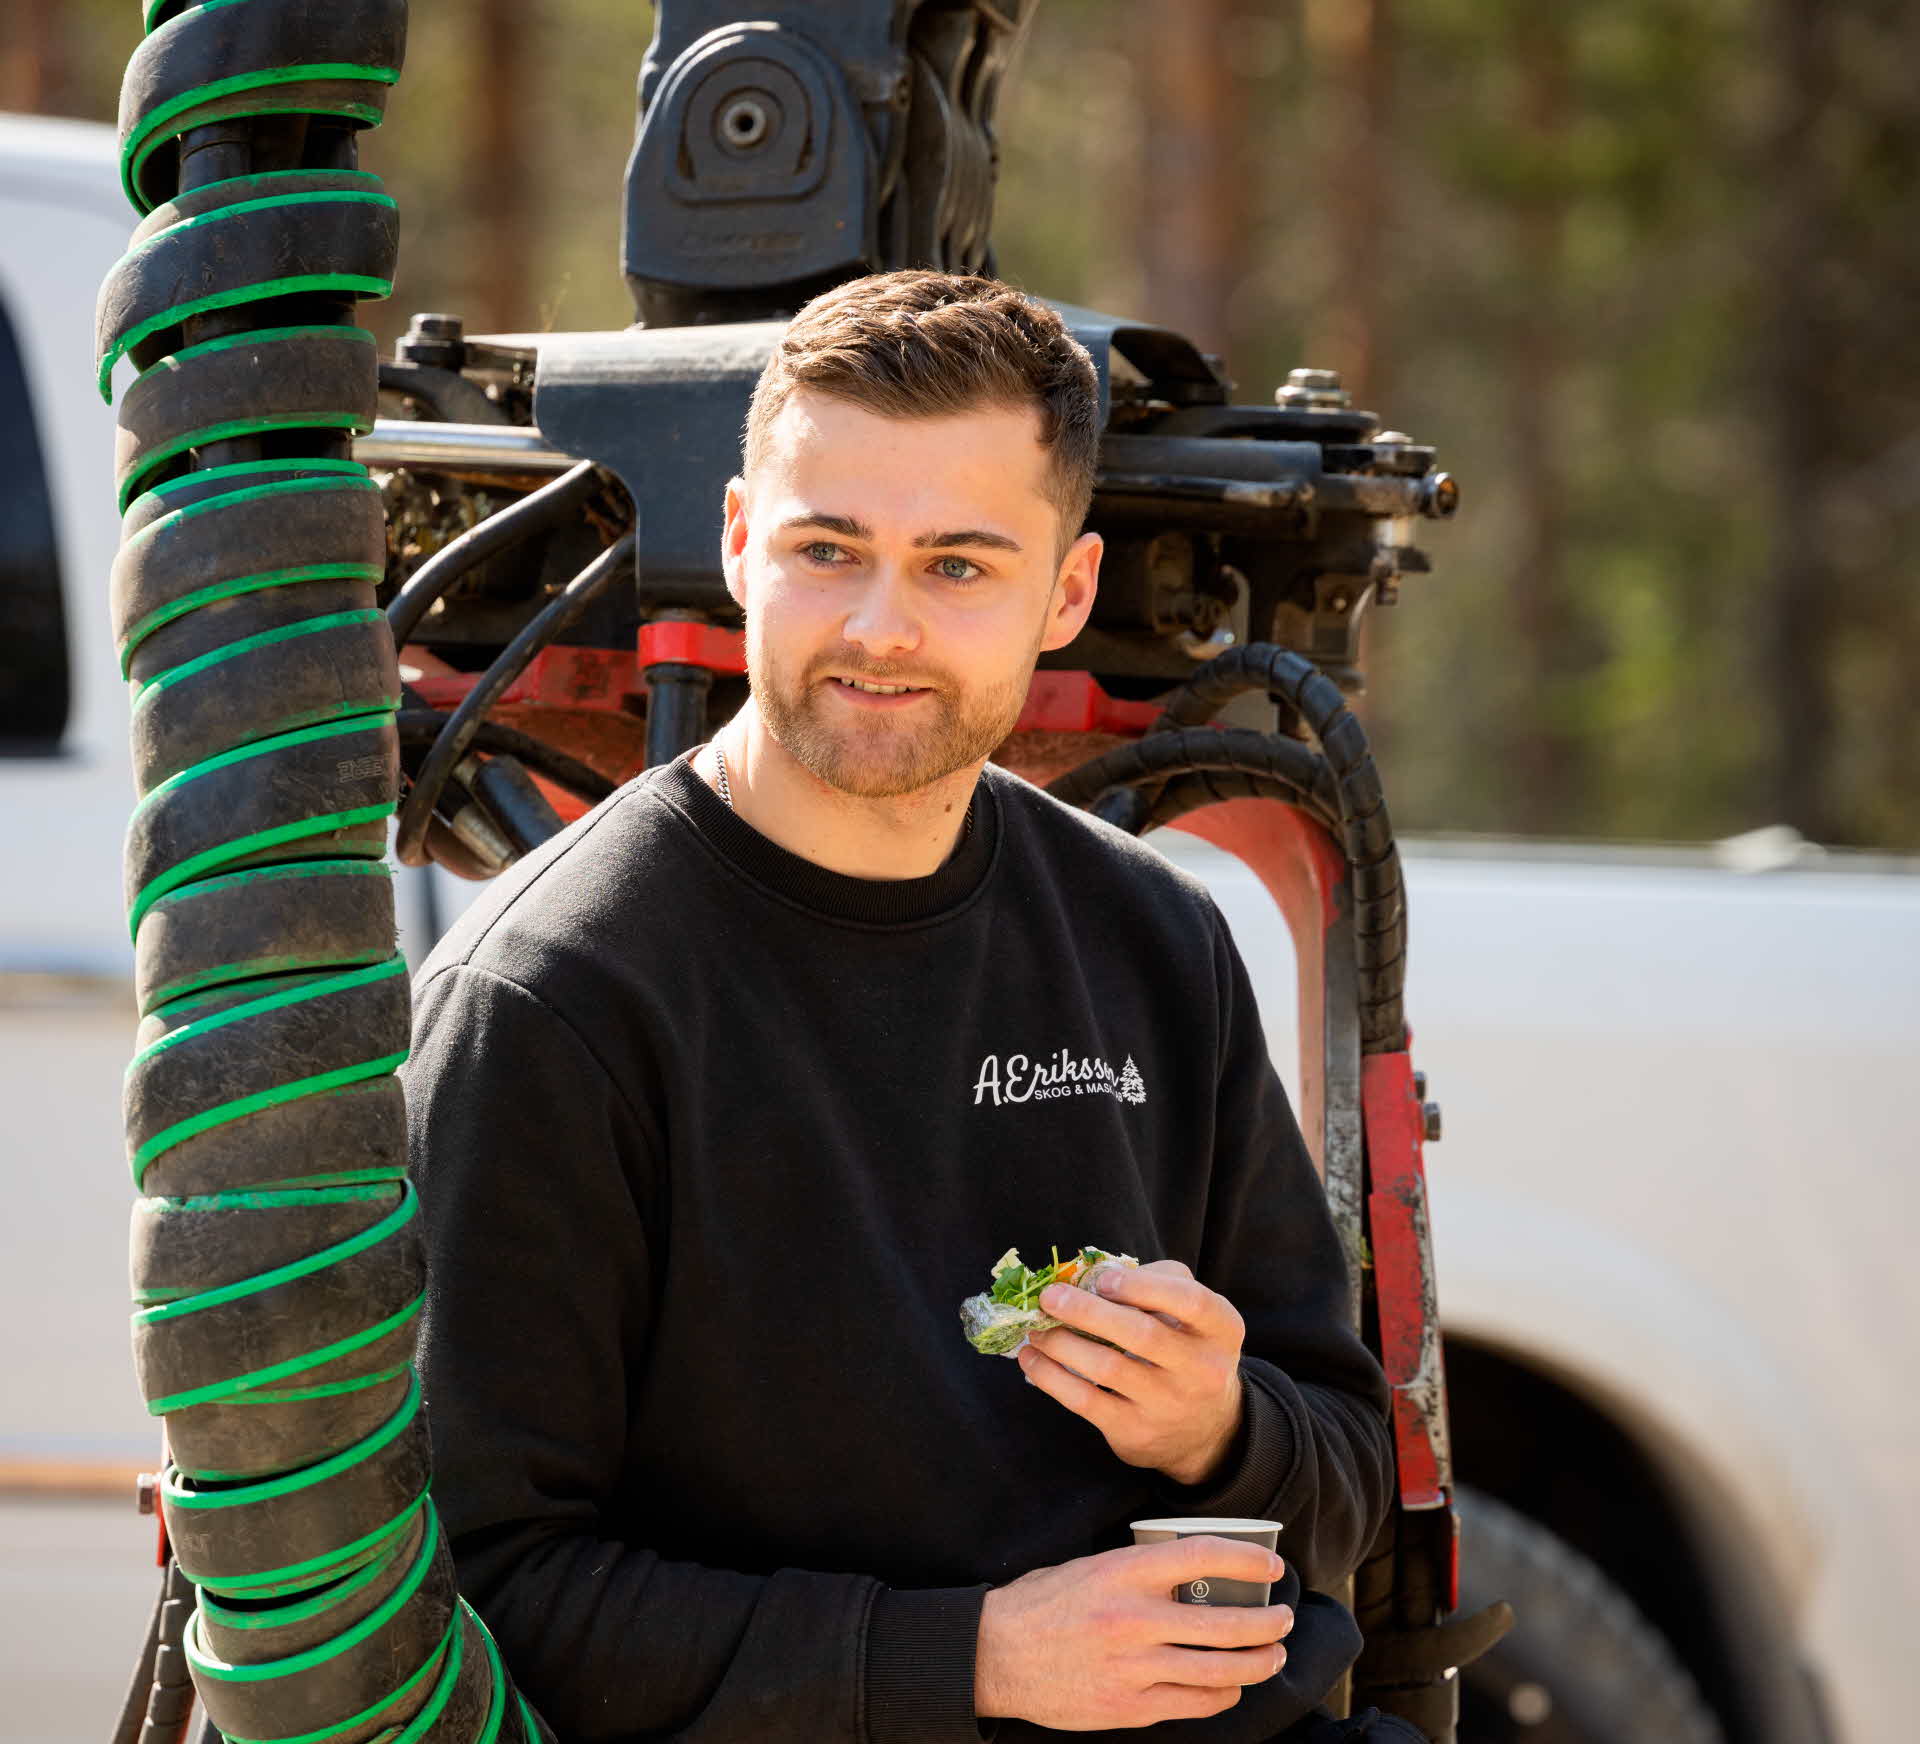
(1132, 1087)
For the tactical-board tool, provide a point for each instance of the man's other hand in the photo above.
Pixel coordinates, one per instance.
(1101, 1642)
(1169, 1397)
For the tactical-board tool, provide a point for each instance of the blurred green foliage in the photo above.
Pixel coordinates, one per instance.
(1649, 284)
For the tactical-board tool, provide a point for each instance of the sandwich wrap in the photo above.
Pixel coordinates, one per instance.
(997, 1321)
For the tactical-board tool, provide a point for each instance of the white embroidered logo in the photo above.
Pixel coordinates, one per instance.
(1060, 1074)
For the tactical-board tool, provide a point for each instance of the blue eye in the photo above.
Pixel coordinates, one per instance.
(814, 550)
(966, 564)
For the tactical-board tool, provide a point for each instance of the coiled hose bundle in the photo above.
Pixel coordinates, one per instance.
(1183, 764)
(276, 1262)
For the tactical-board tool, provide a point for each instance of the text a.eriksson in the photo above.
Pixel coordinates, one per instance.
(1061, 1074)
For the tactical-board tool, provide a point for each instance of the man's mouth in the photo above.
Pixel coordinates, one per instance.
(873, 689)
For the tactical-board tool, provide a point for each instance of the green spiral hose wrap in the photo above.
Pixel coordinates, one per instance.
(277, 1265)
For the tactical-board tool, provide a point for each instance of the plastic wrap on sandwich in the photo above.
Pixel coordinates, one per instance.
(997, 1321)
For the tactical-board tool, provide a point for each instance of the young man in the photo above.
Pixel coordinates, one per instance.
(724, 1100)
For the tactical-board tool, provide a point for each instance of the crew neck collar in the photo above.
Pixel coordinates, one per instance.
(837, 895)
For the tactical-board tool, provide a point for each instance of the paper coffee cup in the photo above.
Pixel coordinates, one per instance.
(1209, 1590)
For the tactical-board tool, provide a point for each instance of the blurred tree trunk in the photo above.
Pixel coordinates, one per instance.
(1352, 43)
(1540, 745)
(1352, 48)
(1802, 407)
(1193, 247)
(33, 65)
(498, 170)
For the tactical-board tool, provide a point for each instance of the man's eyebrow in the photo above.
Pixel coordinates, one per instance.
(966, 536)
(845, 525)
(848, 527)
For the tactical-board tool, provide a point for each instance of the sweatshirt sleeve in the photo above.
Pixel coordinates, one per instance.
(536, 1182)
(1314, 1449)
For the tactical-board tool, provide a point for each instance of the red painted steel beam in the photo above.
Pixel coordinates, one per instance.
(1403, 1274)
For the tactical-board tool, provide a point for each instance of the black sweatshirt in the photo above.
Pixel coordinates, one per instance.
(711, 1143)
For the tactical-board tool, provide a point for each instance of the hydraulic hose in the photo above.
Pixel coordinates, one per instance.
(563, 610)
(140, 1688)
(276, 1260)
(498, 795)
(550, 506)
(1182, 764)
(1161, 756)
(1189, 792)
(421, 726)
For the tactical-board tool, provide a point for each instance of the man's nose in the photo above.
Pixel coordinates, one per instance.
(884, 619)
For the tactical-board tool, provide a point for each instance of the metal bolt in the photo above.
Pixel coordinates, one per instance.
(436, 340)
(1440, 497)
(1338, 602)
(145, 1488)
(1313, 390)
(1419, 1086)
(1432, 1111)
(744, 122)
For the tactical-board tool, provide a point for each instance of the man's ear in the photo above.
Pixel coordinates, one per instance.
(733, 541)
(1074, 588)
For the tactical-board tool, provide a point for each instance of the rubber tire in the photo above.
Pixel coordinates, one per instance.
(1608, 1675)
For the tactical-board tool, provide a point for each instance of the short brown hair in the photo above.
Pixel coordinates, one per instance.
(921, 344)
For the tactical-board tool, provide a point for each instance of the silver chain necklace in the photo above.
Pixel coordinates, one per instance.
(726, 791)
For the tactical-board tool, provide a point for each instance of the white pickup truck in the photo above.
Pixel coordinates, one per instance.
(1672, 1210)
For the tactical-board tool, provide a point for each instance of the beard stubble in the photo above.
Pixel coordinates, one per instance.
(888, 755)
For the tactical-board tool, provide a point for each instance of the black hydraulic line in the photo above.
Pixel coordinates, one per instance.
(1380, 914)
(549, 506)
(1341, 779)
(1191, 792)
(1123, 807)
(1168, 775)
(1161, 755)
(421, 726)
(169, 1704)
(456, 739)
(1185, 793)
(464, 836)
(676, 709)
(1262, 666)
(512, 796)
(448, 396)
(133, 1711)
